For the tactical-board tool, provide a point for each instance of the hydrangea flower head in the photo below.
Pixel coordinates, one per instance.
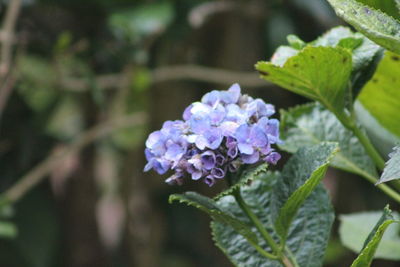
(217, 135)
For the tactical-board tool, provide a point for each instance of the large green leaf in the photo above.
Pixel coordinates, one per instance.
(363, 50)
(392, 168)
(210, 207)
(375, 24)
(355, 233)
(300, 176)
(319, 73)
(381, 95)
(309, 231)
(365, 53)
(387, 6)
(312, 124)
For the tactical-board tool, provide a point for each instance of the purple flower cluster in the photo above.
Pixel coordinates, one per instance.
(219, 134)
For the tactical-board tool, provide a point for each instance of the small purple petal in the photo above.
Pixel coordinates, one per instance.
(245, 148)
(250, 159)
(219, 159)
(212, 98)
(209, 181)
(208, 159)
(273, 157)
(232, 152)
(201, 142)
(218, 173)
(187, 113)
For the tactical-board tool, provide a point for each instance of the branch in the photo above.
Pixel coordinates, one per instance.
(170, 73)
(7, 36)
(42, 170)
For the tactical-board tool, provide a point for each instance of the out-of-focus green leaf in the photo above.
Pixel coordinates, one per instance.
(63, 43)
(392, 168)
(311, 124)
(141, 79)
(375, 24)
(129, 137)
(141, 21)
(319, 73)
(66, 121)
(356, 228)
(7, 230)
(300, 176)
(210, 207)
(37, 82)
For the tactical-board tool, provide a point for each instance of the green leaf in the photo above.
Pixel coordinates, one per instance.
(7, 230)
(355, 233)
(387, 6)
(246, 177)
(66, 121)
(301, 174)
(312, 124)
(375, 24)
(381, 138)
(282, 54)
(392, 168)
(319, 73)
(365, 53)
(296, 42)
(37, 82)
(210, 207)
(308, 234)
(139, 22)
(381, 95)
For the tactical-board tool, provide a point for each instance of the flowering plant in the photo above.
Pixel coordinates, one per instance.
(219, 134)
(284, 218)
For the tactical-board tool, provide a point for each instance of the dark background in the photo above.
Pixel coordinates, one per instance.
(88, 80)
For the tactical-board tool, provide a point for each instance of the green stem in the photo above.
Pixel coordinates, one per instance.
(262, 251)
(364, 140)
(286, 261)
(253, 218)
(383, 187)
(350, 123)
(291, 257)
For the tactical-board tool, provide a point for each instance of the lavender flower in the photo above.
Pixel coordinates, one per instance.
(219, 134)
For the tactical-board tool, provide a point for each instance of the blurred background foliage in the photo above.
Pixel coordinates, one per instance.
(87, 81)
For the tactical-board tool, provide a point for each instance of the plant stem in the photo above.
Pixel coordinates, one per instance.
(262, 251)
(271, 242)
(364, 140)
(383, 187)
(286, 261)
(350, 123)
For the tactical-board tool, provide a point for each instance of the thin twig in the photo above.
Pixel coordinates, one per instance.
(170, 73)
(5, 90)
(7, 36)
(42, 170)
